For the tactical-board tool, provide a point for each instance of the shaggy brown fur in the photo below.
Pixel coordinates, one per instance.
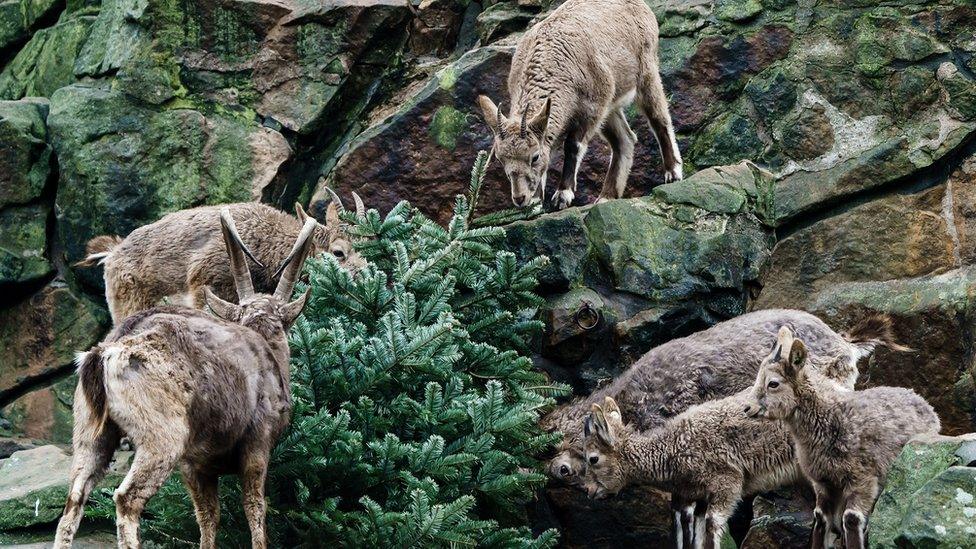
(572, 76)
(176, 257)
(845, 441)
(208, 393)
(711, 453)
(707, 365)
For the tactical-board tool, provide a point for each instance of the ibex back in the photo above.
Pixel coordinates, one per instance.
(176, 257)
(572, 76)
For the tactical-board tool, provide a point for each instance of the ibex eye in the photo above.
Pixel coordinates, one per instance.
(535, 158)
(773, 384)
(594, 460)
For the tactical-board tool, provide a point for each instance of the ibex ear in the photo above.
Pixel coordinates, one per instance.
(223, 309)
(291, 311)
(797, 359)
(601, 427)
(611, 410)
(540, 121)
(490, 112)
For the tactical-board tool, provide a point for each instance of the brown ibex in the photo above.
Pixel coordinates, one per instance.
(572, 76)
(711, 453)
(707, 365)
(208, 393)
(176, 257)
(845, 440)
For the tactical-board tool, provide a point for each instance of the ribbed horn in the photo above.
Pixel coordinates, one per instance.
(236, 250)
(338, 201)
(360, 207)
(291, 267)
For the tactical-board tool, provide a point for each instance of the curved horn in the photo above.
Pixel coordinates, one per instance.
(338, 201)
(525, 116)
(291, 267)
(360, 207)
(237, 251)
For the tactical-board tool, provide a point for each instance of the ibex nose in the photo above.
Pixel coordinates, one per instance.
(520, 200)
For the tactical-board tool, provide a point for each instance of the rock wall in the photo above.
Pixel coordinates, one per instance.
(832, 147)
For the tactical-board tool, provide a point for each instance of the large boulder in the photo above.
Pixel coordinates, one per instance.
(117, 172)
(47, 62)
(34, 485)
(929, 499)
(18, 18)
(25, 169)
(936, 317)
(41, 336)
(629, 274)
(42, 414)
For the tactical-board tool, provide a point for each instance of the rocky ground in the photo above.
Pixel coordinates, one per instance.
(832, 147)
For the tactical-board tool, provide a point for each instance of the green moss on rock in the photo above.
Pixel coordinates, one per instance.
(23, 244)
(47, 62)
(25, 157)
(446, 125)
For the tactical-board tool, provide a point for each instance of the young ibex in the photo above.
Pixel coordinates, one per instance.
(181, 254)
(845, 441)
(572, 76)
(209, 393)
(711, 454)
(707, 365)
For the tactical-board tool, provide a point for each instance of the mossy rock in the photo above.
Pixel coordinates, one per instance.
(119, 166)
(47, 62)
(19, 17)
(34, 486)
(25, 157)
(929, 499)
(23, 244)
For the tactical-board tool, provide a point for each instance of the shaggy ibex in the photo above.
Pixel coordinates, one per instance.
(711, 364)
(845, 441)
(178, 256)
(572, 76)
(211, 394)
(711, 453)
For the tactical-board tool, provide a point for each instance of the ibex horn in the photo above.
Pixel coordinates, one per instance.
(290, 269)
(360, 207)
(236, 250)
(336, 199)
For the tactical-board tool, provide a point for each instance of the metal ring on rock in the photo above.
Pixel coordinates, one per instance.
(587, 317)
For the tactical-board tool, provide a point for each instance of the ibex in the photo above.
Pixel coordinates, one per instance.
(572, 76)
(711, 364)
(711, 454)
(209, 393)
(845, 441)
(179, 255)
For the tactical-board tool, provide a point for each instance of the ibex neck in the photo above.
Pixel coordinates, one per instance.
(812, 422)
(646, 457)
(271, 330)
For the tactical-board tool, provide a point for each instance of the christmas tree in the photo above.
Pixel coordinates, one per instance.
(415, 407)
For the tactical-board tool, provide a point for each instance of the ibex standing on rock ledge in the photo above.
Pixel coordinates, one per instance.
(572, 76)
(211, 394)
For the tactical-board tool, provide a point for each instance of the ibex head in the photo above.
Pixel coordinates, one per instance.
(521, 147)
(269, 310)
(604, 434)
(333, 237)
(774, 394)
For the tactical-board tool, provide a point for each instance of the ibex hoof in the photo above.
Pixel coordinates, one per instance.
(562, 199)
(674, 174)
